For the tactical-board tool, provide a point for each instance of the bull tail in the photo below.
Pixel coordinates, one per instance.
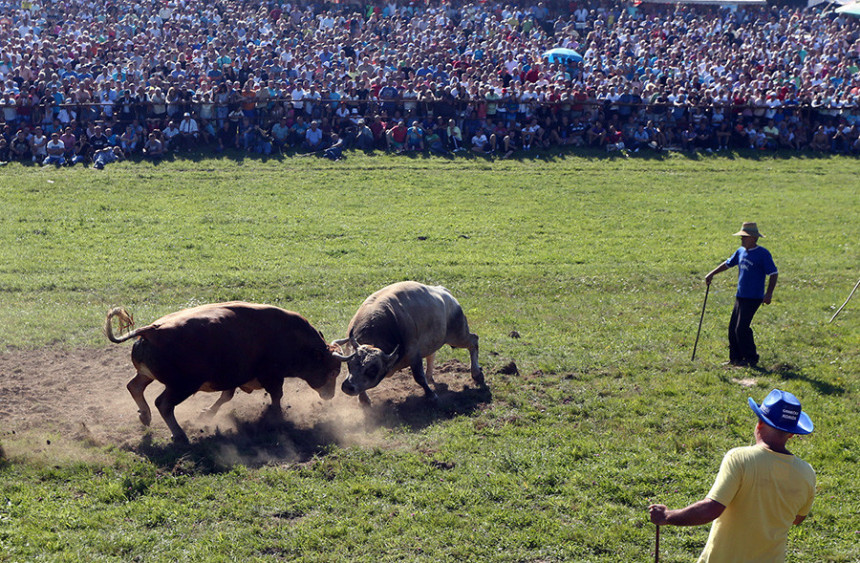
(126, 322)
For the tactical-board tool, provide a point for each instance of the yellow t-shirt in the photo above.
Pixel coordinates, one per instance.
(763, 491)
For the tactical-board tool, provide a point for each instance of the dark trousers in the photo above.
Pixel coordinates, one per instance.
(741, 342)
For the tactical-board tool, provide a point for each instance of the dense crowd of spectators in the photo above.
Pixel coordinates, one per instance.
(87, 81)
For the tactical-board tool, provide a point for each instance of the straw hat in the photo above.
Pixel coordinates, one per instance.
(749, 230)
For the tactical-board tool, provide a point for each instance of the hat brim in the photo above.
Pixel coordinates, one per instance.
(746, 234)
(803, 426)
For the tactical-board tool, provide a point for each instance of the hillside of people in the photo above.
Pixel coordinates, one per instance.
(96, 82)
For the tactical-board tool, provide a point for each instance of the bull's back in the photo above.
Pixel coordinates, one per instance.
(415, 315)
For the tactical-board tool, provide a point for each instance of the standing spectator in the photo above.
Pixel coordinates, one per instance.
(759, 492)
(754, 265)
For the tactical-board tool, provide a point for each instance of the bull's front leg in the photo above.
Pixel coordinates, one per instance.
(136, 387)
(418, 373)
(276, 392)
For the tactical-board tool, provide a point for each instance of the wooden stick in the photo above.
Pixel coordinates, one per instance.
(657, 546)
(698, 332)
(850, 295)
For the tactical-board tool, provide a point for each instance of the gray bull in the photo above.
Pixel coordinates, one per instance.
(220, 347)
(399, 326)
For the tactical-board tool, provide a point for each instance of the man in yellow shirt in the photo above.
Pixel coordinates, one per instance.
(759, 493)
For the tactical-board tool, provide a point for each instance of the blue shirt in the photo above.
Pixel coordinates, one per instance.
(754, 266)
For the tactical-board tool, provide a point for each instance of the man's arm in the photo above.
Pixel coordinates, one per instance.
(771, 284)
(721, 268)
(696, 514)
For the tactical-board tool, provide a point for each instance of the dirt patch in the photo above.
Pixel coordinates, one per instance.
(62, 404)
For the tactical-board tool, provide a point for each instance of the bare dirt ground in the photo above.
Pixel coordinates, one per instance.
(70, 404)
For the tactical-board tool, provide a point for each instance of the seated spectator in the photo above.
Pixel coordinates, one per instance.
(20, 146)
(596, 135)
(129, 141)
(153, 149)
(314, 137)
(364, 136)
(615, 140)
(105, 156)
(480, 142)
(454, 136)
(435, 143)
(280, 134)
(415, 137)
(396, 136)
(189, 132)
(38, 145)
(172, 137)
(69, 142)
(335, 148)
(55, 149)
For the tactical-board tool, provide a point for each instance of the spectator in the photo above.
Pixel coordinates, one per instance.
(55, 149)
(153, 149)
(189, 132)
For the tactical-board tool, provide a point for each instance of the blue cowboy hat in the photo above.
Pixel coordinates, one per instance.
(781, 410)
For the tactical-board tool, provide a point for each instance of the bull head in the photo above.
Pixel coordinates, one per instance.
(368, 365)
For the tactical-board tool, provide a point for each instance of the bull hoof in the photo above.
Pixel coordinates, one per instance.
(180, 439)
(207, 414)
(145, 418)
(478, 377)
(432, 398)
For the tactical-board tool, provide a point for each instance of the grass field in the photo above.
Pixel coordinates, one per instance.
(595, 263)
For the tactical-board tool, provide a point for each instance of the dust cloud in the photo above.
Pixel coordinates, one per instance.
(65, 406)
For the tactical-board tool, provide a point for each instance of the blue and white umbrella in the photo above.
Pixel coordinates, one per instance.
(561, 55)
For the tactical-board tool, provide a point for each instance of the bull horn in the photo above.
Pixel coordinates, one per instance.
(393, 355)
(353, 342)
(343, 358)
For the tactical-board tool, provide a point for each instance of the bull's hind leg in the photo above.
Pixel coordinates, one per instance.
(225, 397)
(165, 403)
(462, 338)
(428, 371)
(136, 387)
(418, 373)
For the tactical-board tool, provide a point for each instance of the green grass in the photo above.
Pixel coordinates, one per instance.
(596, 262)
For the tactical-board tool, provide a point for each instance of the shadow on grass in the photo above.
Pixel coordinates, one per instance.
(788, 372)
(416, 412)
(261, 441)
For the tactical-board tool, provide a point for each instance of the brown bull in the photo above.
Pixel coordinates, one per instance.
(220, 347)
(399, 326)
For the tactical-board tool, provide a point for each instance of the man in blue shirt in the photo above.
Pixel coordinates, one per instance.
(754, 265)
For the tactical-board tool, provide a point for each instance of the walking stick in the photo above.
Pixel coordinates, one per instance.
(698, 332)
(850, 295)
(657, 546)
